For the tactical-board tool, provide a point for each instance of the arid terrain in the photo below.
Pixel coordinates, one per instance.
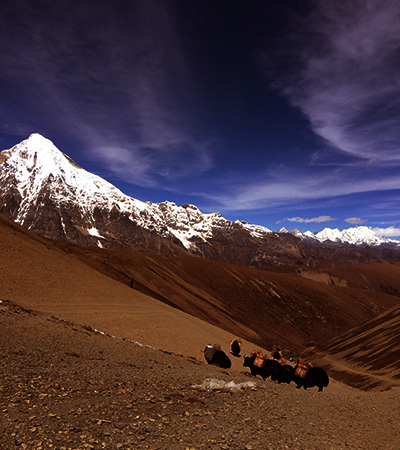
(66, 387)
(88, 362)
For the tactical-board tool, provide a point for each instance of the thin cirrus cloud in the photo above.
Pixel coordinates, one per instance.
(355, 220)
(347, 85)
(152, 83)
(320, 219)
(119, 85)
(344, 79)
(287, 186)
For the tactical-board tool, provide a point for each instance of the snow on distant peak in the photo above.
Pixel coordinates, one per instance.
(37, 140)
(296, 232)
(37, 153)
(360, 235)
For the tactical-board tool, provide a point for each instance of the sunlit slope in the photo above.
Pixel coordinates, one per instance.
(38, 275)
(275, 308)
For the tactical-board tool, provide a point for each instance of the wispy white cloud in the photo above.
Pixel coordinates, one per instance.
(343, 76)
(387, 232)
(354, 220)
(287, 186)
(346, 79)
(319, 219)
(122, 88)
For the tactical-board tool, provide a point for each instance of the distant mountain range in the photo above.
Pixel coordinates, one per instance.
(360, 236)
(48, 193)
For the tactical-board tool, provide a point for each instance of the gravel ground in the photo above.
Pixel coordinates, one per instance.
(63, 386)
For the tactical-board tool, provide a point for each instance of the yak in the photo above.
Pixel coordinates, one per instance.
(214, 355)
(285, 373)
(270, 368)
(315, 376)
(235, 347)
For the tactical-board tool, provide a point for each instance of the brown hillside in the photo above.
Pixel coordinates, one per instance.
(37, 275)
(213, 302)
(266, 307)
(368, 356)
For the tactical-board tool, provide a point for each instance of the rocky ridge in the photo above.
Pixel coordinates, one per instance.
(45, 191)
(48, 193)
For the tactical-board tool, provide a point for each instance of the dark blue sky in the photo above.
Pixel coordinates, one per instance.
(280, 113)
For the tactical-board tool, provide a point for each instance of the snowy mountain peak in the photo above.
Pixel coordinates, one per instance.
(38, 165)
(38, 158)
(47, 192)
(37, 151)
(296, 232)
(360, 235)
(43, 175)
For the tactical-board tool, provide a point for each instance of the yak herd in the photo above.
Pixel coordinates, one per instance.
(303, 373)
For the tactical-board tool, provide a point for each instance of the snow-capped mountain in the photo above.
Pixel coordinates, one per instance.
(359, 236)
(48, 193)
(36, 175)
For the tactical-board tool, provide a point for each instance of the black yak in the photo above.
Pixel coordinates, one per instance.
(214, 355)
(315, 376)
(285, 373)
(235, 347)
(269, 368)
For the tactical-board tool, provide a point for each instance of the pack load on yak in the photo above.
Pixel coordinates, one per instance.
(259, 358)
(302, 367)
(210, 350)
(263, 366)
(307, 376)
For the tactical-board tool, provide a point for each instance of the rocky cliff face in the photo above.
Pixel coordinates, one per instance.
(48, 193)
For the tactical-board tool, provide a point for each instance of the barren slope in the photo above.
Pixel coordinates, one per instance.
(263, 308)
(368, 356)
(63, 386)
(266, 307)
(37, 275)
